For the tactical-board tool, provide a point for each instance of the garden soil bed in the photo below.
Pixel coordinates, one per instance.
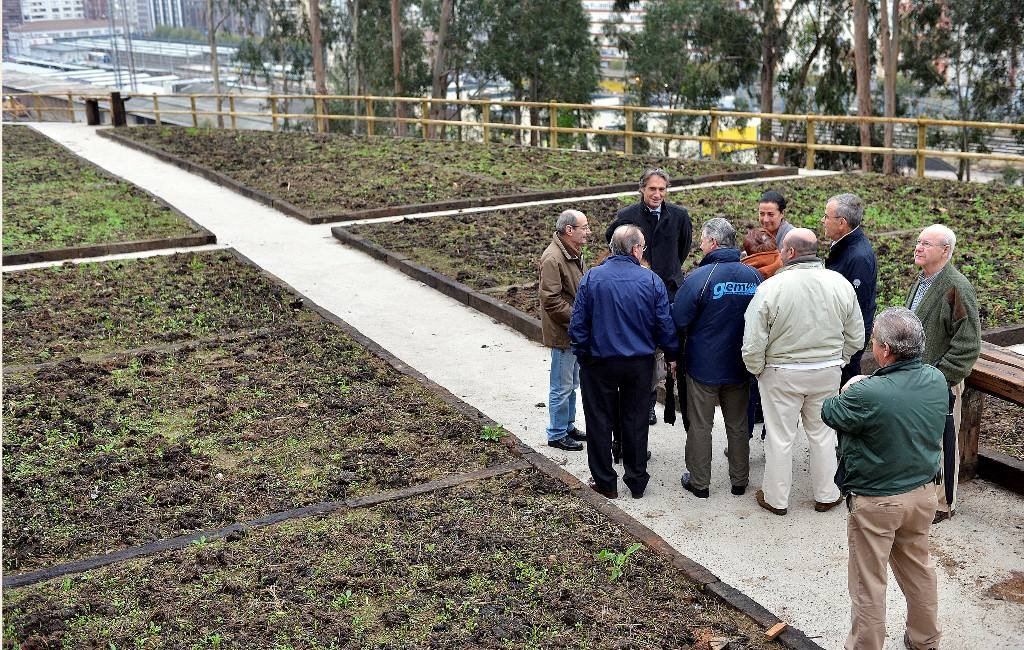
(321, 177)
(57, 205)
(99, 456)
(89, 309)
(508, 562)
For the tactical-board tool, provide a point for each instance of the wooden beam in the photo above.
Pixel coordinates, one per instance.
(997, 354)
(999, 379)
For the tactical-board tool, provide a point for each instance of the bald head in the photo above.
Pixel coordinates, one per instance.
(799, 242)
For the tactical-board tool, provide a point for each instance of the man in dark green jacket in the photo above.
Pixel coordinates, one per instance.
(944, 300)
(893, 422)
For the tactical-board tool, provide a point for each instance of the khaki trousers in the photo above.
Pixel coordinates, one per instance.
(940, 489)
(892, 530)
(700, 406)
(787, 398)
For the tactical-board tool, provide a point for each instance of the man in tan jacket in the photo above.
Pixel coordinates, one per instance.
(802, 326)
(561, 267)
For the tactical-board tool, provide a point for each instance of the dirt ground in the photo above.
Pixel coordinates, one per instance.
(512, 562)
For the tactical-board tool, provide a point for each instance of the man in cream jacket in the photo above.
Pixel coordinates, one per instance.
(801, 328)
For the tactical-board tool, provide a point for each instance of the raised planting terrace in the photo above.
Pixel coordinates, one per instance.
(495, 253)
(57, 205)
(336, 177)
(515, 561)
(500, 248)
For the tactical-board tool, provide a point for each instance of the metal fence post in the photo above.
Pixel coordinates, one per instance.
(810, 143)
(552, 125)
(156, 110)
(231, 108)
(713, 127)
(369, 117)
(273, 113)
(629, 130)
(487, 122)
(195, 116)
(921, 143)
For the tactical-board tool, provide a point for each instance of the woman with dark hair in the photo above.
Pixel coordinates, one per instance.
(761, 252)
(771, 212)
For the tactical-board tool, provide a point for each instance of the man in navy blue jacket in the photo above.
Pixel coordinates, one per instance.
(852, 256)
(621, 315)
(709, 308)
(668, 232)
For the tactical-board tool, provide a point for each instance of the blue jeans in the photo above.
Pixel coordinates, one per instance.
(565, 379)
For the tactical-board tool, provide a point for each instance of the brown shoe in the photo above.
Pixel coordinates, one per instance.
(941, 516)
(759, 495)
(609, 494)
(825, 507)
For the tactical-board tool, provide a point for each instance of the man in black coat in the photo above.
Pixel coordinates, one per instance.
(668, 232)
(852, 256)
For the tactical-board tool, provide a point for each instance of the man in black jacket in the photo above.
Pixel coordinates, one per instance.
(852, 256)
(668, 232)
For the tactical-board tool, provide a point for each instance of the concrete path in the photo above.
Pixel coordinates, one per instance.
(793, 565)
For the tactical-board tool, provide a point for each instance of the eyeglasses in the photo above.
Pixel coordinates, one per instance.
(930, 244)
(643, 249)
(586, 228)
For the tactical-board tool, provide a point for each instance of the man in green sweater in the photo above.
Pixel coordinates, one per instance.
(892, 423)
(946, 304)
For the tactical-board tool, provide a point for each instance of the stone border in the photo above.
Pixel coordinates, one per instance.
(453, 204)
(704, 579)
(202, 238)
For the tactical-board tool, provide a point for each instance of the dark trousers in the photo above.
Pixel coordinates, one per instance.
(605, 383)
(849, 371)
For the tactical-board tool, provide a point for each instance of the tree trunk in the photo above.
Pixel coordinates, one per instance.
(890, 36)
(764, 154)
(396, 60)
(211, 39)
(534, 113)
(439, 75)
(860, 55)
(353, 10)
(316, 44)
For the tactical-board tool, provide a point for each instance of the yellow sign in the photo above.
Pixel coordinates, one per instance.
(748, 133)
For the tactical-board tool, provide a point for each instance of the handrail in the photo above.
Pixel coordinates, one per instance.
(320, 116)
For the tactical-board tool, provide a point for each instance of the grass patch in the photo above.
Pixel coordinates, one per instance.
(85, 309)
(53, 199)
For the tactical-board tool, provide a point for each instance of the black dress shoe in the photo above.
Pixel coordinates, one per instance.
(739, 490)
(566, 443)
(697, 492)
(652, 417)
(577, 435)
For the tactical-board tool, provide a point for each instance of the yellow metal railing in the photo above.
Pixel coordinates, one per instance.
(32, 104)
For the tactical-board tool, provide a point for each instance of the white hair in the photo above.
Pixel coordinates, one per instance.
(947, 235)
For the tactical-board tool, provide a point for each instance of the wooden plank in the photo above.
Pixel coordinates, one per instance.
(991, 352)
(998, 379)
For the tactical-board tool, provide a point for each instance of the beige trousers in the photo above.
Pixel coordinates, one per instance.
(892, 530)
(787, 398)
(940, 489)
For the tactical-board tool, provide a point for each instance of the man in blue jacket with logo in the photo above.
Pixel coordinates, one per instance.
(709, 307)
(621, 315)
